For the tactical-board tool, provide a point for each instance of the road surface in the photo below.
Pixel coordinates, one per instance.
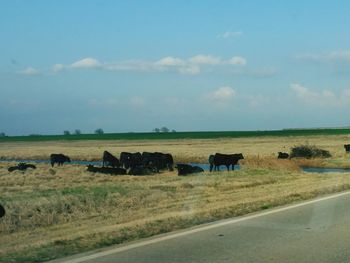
(313, 231)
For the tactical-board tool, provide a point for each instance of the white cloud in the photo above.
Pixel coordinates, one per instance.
(229, 34)
(30, 71)
(191, 66)
(322, 98)
(190, 70)
(86, 63)
(170, 61)
(222, 96)
(130, 65)
(105, 103)
(330, 57)
(137, 102)
(57, 67)
(237, 61)
(205, 60)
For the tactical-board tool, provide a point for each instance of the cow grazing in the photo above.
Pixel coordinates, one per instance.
(347, 148)
(21, 167)
(282, 155)
(106, 170)
(109, 159)
(58, 158)
(2, 211)
(185, 169)
(224, 159)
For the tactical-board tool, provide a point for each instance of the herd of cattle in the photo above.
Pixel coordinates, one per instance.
(147, 163)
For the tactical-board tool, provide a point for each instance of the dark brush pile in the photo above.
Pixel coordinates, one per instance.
(309, 151)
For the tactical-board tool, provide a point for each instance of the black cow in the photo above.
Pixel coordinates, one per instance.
(158, 161)
(347, 148)
(106, 170)
(21, 167)
(282, 155)
(224, 159)
(125, 158)
(168, 161)
(59, 158)
(129, 160)
(140, 170)
(2, 211)
(184, 169)
(109, 159)
(151, 161)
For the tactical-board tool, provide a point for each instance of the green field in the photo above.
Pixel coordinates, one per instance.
(179, 135)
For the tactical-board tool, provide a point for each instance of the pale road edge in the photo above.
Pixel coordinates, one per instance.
(197, 229)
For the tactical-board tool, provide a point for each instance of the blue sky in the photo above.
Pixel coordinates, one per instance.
(189, 65)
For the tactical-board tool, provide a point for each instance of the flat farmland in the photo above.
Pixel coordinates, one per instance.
(59, 211)
(183, 150)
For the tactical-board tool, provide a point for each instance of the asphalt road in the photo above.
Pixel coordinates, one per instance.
(316, 231)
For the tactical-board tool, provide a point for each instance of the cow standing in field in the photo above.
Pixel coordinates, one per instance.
(109, 159)
(282, 155)
(158, 161)
(168, 161)
(347, 148)
(151, 161)
(130, 160)
(224, 159)
(59, 158)
(125, 158)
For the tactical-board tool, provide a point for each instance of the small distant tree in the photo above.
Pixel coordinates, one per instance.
(2, 134)
(157, 130)
(77, 132)
(173, 130)
(66, 132)
(99, 131)
(164, 129)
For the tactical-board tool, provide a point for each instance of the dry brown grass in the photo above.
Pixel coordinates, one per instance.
(190, 150)
(75, 208)
(57, 211)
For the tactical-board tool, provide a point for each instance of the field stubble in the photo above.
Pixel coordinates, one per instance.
(52, 212)
(183, 150)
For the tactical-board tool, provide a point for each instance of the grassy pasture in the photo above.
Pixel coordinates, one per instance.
(183, 150)
(53, 212)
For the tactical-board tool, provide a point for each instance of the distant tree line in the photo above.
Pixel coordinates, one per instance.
(78, 132)
(163, 130)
